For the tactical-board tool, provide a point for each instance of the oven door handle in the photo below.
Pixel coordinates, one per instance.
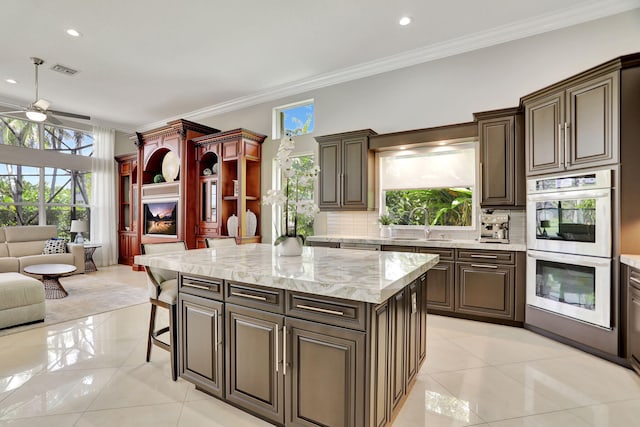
(587, 261)
(571, 194)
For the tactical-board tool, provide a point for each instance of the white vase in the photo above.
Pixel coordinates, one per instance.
(291, 246)
(232, 226)
(385, 231)
(252, 223)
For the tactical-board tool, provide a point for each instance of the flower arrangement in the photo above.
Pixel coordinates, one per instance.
(295, 177)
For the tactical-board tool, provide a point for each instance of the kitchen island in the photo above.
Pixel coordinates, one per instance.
(334, 337)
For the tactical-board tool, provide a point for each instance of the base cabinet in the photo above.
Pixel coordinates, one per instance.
(633, 320)
(201, 332)
(297, 359)
(255, 377)
(485, 290)
(326, 376)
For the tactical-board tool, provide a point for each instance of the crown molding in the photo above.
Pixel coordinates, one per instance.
(590, 11)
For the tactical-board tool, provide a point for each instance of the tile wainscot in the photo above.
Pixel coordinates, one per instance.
(333, 337)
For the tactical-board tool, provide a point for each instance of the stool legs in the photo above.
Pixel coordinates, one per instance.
(152, 337)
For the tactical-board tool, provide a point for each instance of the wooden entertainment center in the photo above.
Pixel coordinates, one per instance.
(184, 183)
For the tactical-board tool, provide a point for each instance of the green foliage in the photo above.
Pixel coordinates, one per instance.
(302, 191)
(65, 191)
(385, 220)
(446, 206)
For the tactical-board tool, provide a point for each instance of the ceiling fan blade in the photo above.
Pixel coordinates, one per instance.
(72, 115)
(42, 104)
(11, 112)
(10, 105)
(53, 120)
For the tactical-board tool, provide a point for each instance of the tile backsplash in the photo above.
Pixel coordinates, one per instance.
(366, 224)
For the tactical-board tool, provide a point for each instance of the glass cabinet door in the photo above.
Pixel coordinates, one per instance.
(213, 201)
(209, 200)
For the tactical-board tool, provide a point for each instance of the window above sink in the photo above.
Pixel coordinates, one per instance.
(440, 178)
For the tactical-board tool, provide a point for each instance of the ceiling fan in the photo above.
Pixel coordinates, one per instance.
(39, 110)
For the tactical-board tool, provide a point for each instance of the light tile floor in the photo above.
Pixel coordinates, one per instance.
(91, 372)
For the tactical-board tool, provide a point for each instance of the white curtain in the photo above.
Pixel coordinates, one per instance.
(103, 213)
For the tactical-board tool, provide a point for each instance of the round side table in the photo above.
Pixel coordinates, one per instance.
(51, 274)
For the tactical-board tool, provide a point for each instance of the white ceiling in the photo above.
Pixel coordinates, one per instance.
(144, 62)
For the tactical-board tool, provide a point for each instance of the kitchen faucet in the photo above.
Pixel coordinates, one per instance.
(427, 229)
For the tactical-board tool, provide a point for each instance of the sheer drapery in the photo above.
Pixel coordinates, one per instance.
(103, 212)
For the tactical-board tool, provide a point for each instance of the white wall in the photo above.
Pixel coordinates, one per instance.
(445, 91)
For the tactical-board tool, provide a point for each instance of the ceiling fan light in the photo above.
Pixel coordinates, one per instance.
(36, 116)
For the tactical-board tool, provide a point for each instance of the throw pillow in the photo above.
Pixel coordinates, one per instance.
(55, 246)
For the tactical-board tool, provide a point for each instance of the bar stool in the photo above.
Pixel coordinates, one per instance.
(217, 242)
(163, 292)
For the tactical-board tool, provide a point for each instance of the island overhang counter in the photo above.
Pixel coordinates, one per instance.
(332, 337)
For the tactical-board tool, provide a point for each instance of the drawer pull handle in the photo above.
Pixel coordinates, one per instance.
(243, 295)
(634, 280)
(320, 310)
(484, 266)
(484, 256)
(193, 285)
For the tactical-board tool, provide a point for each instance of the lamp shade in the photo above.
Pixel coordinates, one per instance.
(36, 116)
(79, 226)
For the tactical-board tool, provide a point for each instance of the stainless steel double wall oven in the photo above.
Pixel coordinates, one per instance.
(569, 226)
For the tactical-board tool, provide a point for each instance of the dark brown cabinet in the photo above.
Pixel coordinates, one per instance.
(633, 317)
(346, 171)
(485, 289)
(502, 154)
(440, 280)
(326, 376)
(299, 359)
(201, 332)
(255, 366)
(573, 124)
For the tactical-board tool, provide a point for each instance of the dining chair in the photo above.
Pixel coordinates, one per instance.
(217, 242)
(163, 292)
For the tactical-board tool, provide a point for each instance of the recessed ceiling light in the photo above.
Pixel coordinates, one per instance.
(404, 21)
(12, 81)
(73, 33)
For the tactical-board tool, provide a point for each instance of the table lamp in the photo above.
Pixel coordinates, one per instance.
(79, 226)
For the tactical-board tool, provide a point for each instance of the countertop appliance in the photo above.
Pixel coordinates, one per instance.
(494, 227)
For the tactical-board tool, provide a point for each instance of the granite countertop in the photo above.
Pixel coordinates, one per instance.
(454, 243)
(341, 273)
(630, 260)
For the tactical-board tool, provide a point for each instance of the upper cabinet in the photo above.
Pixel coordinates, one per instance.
(346, 171)
(573, 124)
(502, 175)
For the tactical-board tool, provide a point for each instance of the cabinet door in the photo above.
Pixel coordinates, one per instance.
(422, 297)
(398, 350)
(485, 290)
(633, 327)
(543, 130)
(380, 356)
(498, 161)
(592, 128)
(330, 178)
(354, 173)
(201, 338)
(440, 285)
(325, 377)
(413, 330)
(254, 375)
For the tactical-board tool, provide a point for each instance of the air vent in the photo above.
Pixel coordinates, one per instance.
(64, 70)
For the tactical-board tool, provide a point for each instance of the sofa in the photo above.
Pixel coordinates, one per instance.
(21, 246)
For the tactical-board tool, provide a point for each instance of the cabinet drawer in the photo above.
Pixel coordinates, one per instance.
(255, 296)
(200, 286)
(496, 257)
(446, 254)
(634, 278)
(208, 229)
(398, 248)
(333, 311)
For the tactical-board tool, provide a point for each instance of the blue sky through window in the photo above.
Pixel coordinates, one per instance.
(295, 120)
